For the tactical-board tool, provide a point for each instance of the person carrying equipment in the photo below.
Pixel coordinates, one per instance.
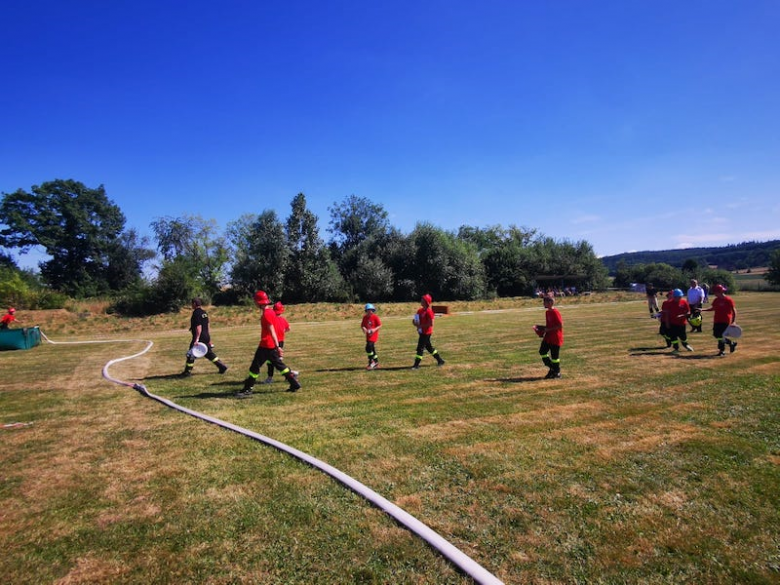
(199, 327)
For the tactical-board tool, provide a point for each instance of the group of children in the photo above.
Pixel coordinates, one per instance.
(676, 312)
(423, 322)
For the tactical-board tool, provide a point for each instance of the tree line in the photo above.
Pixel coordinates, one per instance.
(733, 257)
(91, 252)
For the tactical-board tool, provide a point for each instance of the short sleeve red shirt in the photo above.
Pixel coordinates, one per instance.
(679, 312)
(552, 319)
(426, 320)
(724, 309)
(371, 321)
(267, 320)
(282, 326)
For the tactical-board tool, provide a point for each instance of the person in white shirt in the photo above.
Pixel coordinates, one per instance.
(696, 302)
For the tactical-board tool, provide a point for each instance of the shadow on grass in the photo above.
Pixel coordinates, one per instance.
(165, 377)
(691, 356)
(516, 380)
(363, 369)
(649, 351)
(265, 391)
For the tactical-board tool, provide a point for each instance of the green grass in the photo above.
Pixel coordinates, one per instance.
(636, 467)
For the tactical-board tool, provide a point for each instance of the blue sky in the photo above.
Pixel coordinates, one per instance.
(632, 125)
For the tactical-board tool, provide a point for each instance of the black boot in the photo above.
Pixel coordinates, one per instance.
(222, 367)
(295, 385)
(246, 391)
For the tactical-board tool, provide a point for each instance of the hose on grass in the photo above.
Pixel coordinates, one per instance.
(457, 557)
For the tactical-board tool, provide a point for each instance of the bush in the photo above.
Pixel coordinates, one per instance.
(16, 291)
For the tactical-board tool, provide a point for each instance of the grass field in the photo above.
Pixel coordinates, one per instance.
(635, 467)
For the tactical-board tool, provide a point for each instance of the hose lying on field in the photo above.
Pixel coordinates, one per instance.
(450, 552)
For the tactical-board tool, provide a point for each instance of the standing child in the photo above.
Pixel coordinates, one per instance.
(282, 327)
(677, 320)
(267, 350)
(666, 310)
(370, 326)
(423, 322)
(725, 315)
(552, 339)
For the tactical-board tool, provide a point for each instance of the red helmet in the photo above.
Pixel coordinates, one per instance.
(427, 300)
(11, 310)
(719, 288)
(278, 308)
(261, 298)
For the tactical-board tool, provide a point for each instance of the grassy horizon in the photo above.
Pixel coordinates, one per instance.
(635, 467)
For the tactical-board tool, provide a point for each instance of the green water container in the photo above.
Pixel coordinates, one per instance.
(24, 338)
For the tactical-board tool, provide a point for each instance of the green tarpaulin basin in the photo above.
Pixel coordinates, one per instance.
(24, 338)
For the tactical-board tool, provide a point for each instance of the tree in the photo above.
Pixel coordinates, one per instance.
(80, 230)
(260, 254)
(196, 245)
(504, 255)
(126, 259)
(772, 275)
(444, 266)
(356, 220)
(312, 275)
(360, 231)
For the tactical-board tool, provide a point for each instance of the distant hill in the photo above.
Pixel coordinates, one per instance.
(733, 257)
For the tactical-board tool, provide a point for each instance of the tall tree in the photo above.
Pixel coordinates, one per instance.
(355, 220)
(194, 242)
(78, 227)
(260, 254)
(360, 231)
(312, 275)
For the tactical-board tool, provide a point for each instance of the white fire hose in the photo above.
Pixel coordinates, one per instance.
(450, 552)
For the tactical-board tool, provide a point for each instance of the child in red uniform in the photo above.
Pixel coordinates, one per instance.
(282, 326)
(663, 329)
(370, 326)
(8, 318)
(423, 322)
(552, 339)
(267, 350)
(725, 315)
(677, 321)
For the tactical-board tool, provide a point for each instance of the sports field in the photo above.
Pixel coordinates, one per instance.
(636, 467)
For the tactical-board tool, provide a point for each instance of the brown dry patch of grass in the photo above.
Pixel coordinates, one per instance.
(640, 434)
(412, 503)
(93, 569)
